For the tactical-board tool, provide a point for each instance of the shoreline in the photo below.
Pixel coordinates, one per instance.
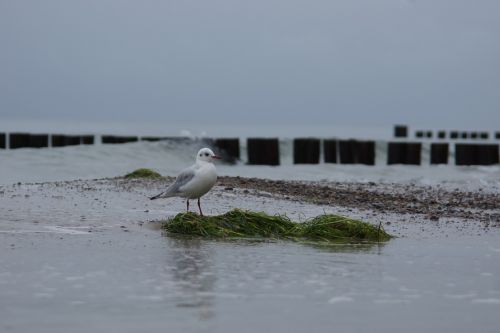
(432, 203)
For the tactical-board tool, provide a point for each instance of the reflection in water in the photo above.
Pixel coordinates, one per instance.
(193, 274)
(282, 272)
(347, 247)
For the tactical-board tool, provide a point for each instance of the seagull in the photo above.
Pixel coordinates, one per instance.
(195, 181)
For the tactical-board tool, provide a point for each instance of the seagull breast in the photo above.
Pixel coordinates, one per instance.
(203, 180)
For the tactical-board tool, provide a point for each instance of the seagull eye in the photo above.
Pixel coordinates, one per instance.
(206, 154)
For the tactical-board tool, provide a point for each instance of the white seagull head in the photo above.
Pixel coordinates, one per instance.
(206, 155)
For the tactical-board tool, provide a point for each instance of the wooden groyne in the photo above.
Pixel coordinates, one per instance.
(306, 151)
(465, 147)
(21, 140)
(228, 148)
(330, 150)
(2, 140)
(114, 139)
(71, 140)
(404, 153)
(475, 154)
(357, 152)
(263, 151)
(400, 131)
(439, 153)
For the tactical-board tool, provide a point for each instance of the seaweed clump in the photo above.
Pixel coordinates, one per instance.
(329, 226)
(247, 224)
(143, 173)
(235, 223)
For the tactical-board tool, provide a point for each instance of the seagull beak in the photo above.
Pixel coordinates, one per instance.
(216, 157)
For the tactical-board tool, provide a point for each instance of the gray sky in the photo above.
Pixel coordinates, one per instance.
(349, 62)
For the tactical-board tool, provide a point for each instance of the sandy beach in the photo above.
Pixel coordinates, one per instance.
(371, 200)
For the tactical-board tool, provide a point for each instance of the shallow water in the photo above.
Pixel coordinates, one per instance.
(141, 280)
(85, 259)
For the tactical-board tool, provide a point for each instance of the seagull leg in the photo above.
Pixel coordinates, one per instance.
(199, 206)
(187, 205)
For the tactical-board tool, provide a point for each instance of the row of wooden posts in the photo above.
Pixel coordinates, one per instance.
(401, 131)
(27, 140)
(307, 151)
(266, 151)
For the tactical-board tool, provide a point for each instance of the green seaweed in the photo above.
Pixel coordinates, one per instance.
(329, 226)
(247, 224)
(143, 173)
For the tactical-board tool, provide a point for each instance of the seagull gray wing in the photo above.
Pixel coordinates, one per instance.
(182, 179)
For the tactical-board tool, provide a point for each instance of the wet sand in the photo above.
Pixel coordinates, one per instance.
(431, 202)
(422, 202)
(88, 255)
(401, 208)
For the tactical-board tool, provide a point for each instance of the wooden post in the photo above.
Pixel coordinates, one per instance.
(330, 150)
(347, 151)
(439, 153)
(306, 151)
(87, 140)
(19, 140)
(113, 139)
(151, 138)
(108, 139)
(476, 154)
(404, 153)
(357, 152)
(59, 140)
(400, 131)
(2, 140)
(72, 140)
(464, 154)
(229, 148)
(366, 152)
(263, 151)
(38, 140)
(488, 154)
(442, 134)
